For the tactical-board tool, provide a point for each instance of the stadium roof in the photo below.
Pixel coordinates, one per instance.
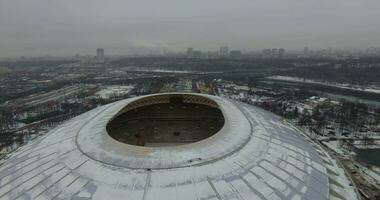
(256, 155)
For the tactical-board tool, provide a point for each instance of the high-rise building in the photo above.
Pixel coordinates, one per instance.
(190, 52)
(197, 54)
(100, 55)
(267, 53)
(281, 52)
(274, 52)
(235, 54)
(223, 51)
(306, 50)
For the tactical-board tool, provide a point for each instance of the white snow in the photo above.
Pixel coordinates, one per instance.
(116, 90)
(253, 153)
(334, 145)
(344, 86)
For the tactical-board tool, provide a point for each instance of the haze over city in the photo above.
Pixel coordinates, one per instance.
(64, 28)
(190, 99)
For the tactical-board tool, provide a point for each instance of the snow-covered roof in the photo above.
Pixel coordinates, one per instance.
(254, 156)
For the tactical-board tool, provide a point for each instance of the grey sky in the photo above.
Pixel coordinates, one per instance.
(67, 27)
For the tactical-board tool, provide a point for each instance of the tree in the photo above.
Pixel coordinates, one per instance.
(295, 112)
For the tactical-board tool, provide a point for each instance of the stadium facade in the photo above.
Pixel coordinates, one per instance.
(174, 146)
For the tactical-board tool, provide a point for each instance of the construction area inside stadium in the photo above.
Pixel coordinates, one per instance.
(166, 121)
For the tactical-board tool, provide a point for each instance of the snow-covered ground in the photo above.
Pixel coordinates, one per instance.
(371, 175)
(375, 175)
(116, 90)
(164, 71)
(344, 180)
(157, 70)
(344, 86)
(334, 145)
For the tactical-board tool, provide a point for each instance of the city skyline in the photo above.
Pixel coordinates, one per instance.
(41, 27)
(222, 51)
(190, 100)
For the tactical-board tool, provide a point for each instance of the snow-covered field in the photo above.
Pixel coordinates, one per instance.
(116, 90)
(374, 175)
(334, 145)
(158, 70)
(344, 86)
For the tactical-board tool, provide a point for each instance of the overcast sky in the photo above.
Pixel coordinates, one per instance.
(67, 27)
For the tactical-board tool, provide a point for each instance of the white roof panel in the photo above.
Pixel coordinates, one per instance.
(254, 156)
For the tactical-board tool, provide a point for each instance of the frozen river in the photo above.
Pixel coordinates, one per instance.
(370, 156)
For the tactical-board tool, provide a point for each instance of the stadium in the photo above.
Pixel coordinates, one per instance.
(174, 146)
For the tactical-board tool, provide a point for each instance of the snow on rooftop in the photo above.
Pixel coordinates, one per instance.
(116, 90)
(254, 156)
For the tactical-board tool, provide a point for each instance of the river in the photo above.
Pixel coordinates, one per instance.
(369, 156)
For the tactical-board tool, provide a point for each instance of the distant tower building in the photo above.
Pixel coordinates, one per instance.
(197, 54)
(190, 52)
(235, 54)
(274, 52)
(267, 53)
(306, 50)
(224, 51)
(281, 52)
(100, 55)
